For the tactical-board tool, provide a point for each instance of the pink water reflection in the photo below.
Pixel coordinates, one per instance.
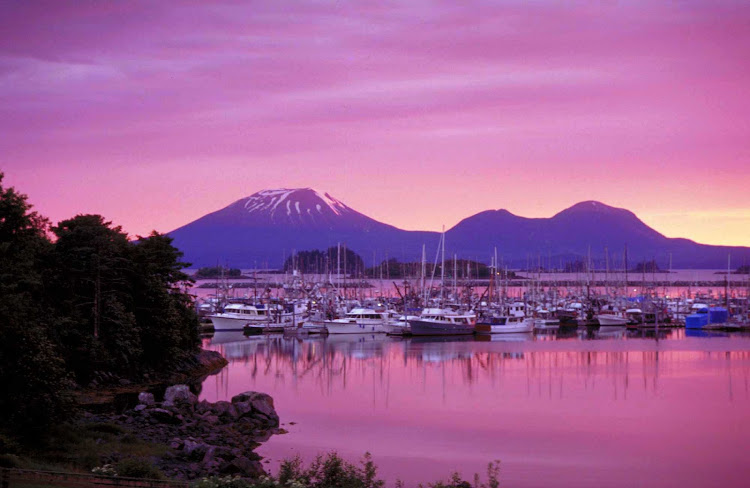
(619, 412)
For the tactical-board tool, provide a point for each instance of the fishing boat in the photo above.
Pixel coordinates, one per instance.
(505, 325)
(399, 324)
(546, 320)
(237, 316)
(634, 316)
(358, 321)
(437, 321)
(612, 320)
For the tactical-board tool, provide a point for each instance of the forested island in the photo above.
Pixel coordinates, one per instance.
(348, 262)
(217, 272)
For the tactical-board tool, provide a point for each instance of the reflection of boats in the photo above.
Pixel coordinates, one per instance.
(610, 332)
(227, 336)
(435, 321)
(235, 344)
(436, 349)
(430, 339)
(354, 338)
(358, 321)
(511, 337)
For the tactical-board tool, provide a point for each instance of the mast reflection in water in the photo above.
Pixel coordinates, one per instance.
(625, 409)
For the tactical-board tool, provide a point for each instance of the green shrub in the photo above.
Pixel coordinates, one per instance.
(138, 468)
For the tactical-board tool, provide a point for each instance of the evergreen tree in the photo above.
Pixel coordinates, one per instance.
(92, 290)
(33, 379)
(164, 309)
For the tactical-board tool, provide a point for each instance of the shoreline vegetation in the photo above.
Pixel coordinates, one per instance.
(89, 320)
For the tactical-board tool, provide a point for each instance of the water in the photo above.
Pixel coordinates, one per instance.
(591, 409)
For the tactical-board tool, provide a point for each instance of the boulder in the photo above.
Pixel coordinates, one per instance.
(145, 398)
(243, 408)
(195, 450)
(179, 394)
(224, 410)
(211, 419)
(203, 406)
(244, 467)
(261, 403)
(209, 455)
(140, 407)
(163, 416)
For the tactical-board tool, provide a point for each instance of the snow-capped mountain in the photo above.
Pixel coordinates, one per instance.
(266, 227)
(304, 206)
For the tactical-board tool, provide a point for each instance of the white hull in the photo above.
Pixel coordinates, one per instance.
(397, 329)
(612, 321)
(221, 322)
(546, 323)
(352, 328)
(526, 326)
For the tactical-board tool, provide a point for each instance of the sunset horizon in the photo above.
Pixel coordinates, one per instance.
(416, 115)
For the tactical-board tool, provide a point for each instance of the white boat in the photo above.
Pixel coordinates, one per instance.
(358, 321)
(546, 320)
(237, 316)
(399, 324)
(612, 320)
(634, 316)
(505, 325)
(436, 321)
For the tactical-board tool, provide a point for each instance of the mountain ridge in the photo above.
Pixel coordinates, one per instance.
(263, 228)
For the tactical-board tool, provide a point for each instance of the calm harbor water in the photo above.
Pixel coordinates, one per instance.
(587, 409)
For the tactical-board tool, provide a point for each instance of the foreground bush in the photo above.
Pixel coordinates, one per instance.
(331, 471)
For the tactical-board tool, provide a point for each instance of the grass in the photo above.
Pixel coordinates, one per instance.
(77, 448)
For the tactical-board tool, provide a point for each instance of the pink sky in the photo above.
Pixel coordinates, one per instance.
(416, 113)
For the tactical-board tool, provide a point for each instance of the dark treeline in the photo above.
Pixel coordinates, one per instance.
(77, 298)
(218, 272)
(462, 268)
(325, 262)
(351, 263)
(646, 267)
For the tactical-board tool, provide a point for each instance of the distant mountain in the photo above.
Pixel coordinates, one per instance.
(573, 233)
(264, 228)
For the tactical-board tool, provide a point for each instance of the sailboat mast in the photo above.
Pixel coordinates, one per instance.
(442, 268)
(455, 281)
(424, 292)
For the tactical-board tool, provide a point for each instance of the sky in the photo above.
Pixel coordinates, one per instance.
(415, 113)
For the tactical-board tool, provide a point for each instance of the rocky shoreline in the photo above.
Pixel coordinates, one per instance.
(201, 438)
(105, 388)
